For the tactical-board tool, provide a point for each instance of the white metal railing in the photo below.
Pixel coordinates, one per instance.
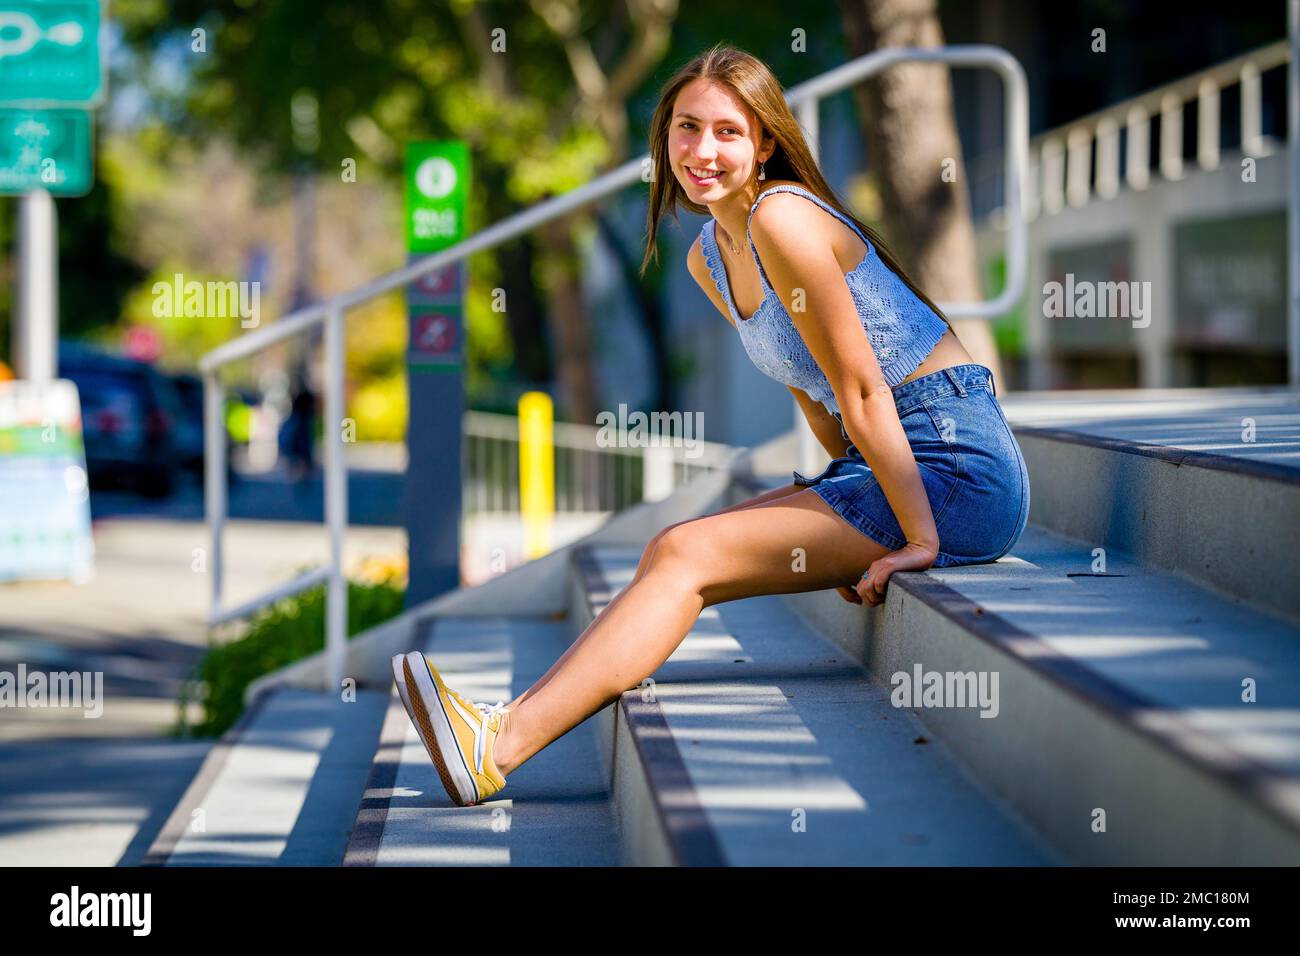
(588, 477)
(1061, 160)
(804, 98)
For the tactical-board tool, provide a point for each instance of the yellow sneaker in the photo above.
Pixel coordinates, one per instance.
(399, 680)
(457, 733)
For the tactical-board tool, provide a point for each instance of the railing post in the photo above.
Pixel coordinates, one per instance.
(214, 474)
(1137, 166)
(810, 120)
(1252, 100)
(808, 448)
(1107, 158)
(657, 460)
(1052, 161)
(336, 499)
(1171, 137)
(1207, 124)
(1079, 167)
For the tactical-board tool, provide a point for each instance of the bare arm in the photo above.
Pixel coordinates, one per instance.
(823, 424)
(807, 277)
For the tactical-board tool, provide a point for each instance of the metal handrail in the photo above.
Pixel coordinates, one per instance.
(804, 98)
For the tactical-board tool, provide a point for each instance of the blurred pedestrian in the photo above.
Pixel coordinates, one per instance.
(300, 432)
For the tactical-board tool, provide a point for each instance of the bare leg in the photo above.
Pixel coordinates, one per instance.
(764, 498)
(707, 561)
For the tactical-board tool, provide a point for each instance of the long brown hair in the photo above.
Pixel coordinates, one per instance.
(752, 82)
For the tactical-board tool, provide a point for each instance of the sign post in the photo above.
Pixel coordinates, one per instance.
(52, 68)
(437, 200)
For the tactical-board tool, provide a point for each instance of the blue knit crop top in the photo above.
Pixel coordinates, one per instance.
(902, 329)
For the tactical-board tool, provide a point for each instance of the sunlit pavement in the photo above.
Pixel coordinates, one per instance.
(94, 791)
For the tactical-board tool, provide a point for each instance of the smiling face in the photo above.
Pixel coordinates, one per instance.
(712, 135)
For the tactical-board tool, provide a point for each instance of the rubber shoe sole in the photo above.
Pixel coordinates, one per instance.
(399, 680)
(434, 728)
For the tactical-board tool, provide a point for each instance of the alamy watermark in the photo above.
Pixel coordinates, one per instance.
(75, 908)
(1085, 299)
(923, 688)
(656, 430)
(211, 300)
(80, 689)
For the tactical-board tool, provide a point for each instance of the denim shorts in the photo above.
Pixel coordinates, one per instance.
(970, 463)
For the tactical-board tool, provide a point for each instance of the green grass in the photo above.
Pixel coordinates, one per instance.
(278, 635)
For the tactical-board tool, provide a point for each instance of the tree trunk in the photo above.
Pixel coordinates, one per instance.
(641, 31)
(649, 308)
(911, 138)
(568, 317)
(525, 309)
(525, 316)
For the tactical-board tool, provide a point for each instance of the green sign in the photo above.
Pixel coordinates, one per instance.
(50, 52)
(45, 149)
(437, 194)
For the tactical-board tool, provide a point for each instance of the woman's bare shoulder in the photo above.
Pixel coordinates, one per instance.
(695, 259)
(698, 267)
(790, 217)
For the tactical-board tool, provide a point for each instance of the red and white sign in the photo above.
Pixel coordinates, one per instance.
(433, 333)
(439, 281)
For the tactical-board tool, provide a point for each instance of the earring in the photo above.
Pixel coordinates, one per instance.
(762, 173)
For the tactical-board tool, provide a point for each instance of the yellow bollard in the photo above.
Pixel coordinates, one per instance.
(536, 471)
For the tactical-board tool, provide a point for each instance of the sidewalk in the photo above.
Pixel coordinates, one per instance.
(94, 791)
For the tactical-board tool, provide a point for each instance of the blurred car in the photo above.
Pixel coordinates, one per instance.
(129, 412)
(189, 427)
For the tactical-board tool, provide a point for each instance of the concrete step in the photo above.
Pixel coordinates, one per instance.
(562, 816)
(1121, 734)
(280, 788)
(1119, 694)
(762, 743)
(1205, 482)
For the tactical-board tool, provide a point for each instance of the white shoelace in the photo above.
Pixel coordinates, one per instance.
(480, 726)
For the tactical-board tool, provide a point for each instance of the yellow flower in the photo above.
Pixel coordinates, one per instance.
(381, 569)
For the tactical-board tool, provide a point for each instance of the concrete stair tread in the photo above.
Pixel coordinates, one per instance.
(281, 789)
(1116, 694)
(1161, 640)
(555, 809)
(769, 718)
(1174, 478)
(1198, 420)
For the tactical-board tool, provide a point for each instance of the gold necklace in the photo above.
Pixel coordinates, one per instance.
(735, 249)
